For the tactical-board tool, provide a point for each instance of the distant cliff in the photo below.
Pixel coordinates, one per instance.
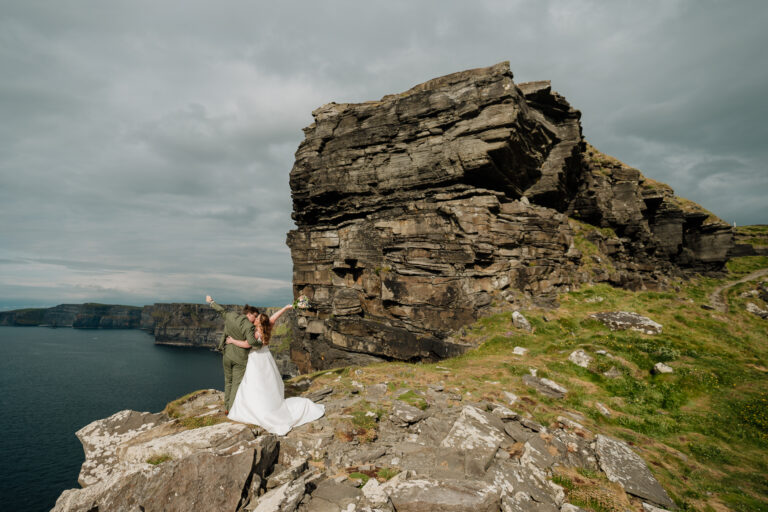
(179, 324)
(80, 316)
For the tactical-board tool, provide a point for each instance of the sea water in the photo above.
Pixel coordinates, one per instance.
(55, 381)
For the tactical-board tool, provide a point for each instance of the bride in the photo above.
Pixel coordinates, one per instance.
(260, 399)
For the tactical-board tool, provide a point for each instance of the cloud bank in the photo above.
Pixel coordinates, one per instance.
(145, 147)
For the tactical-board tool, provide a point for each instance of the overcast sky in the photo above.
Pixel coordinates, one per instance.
(145, 146)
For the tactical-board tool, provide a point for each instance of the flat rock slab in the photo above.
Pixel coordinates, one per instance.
(580, 358)
(178, 446)
(622, 465)
(623, 320)
(405, 414)
(470, 445)
(545, 386)
(330, 493)
(427, 495)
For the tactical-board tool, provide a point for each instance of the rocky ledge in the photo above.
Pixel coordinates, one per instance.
(417, 212)
(377, 449)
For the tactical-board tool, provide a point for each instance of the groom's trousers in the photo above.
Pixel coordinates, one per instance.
(233, 374)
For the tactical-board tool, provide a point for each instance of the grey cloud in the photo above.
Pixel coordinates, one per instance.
(158, 137)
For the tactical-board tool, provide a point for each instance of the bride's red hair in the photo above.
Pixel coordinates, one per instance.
(266, 327)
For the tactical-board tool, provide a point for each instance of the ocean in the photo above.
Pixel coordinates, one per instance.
(55, 381)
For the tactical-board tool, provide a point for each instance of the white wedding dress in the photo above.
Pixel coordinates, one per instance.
(260, 399)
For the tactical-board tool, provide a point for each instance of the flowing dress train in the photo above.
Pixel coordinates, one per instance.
(260, 399)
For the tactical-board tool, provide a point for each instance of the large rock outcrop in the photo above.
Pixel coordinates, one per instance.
(454, 455)
(416, 212)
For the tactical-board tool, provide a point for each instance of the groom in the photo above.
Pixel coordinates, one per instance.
(240, 327)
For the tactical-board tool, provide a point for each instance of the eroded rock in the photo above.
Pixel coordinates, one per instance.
(416, 212)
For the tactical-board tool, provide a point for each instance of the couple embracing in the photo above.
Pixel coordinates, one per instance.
(253, 386)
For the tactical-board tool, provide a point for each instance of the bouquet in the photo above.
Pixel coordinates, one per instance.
(301, 303)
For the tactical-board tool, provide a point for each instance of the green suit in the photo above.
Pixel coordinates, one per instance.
(235, 358)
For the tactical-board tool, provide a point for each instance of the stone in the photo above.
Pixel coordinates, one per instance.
(511, 397)
(647, 507)
(404, 414)
(427, 495)
(567, 507)
(519, 351)
(504, 413)
(602, 409)
(287, 475)
(756, 310)
(101, 438)
(285, 498)
(662, 368)
(612, 373)
(520, 322)
(319, 395)
(545, 386)
(620, 464)
(416, 212)
(332, 495)
(580, 358)
(470, 445)
(623, 320)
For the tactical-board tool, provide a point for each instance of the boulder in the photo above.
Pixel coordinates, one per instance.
(545, 386)
(623, 320)
(404, 414)
(580, 358)
(520, 322)
(659, 368)
(470, 445)
(625, 467)
(756, 310)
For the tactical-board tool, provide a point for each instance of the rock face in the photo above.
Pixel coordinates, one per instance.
(143, 461)
(415, 212)
(453, 456)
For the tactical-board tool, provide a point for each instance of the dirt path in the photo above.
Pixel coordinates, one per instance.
(717, 298)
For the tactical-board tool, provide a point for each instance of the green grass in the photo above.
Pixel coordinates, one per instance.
(411, 398)
(159, 459)
(703, 429)
(360, 476)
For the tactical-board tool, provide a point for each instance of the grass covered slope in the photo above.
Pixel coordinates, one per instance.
(703, 430)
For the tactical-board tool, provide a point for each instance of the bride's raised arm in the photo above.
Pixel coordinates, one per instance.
(278, 314)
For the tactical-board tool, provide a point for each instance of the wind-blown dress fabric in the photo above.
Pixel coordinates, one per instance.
(260, 399)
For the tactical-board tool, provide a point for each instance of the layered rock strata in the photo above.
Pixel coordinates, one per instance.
(416, 212)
